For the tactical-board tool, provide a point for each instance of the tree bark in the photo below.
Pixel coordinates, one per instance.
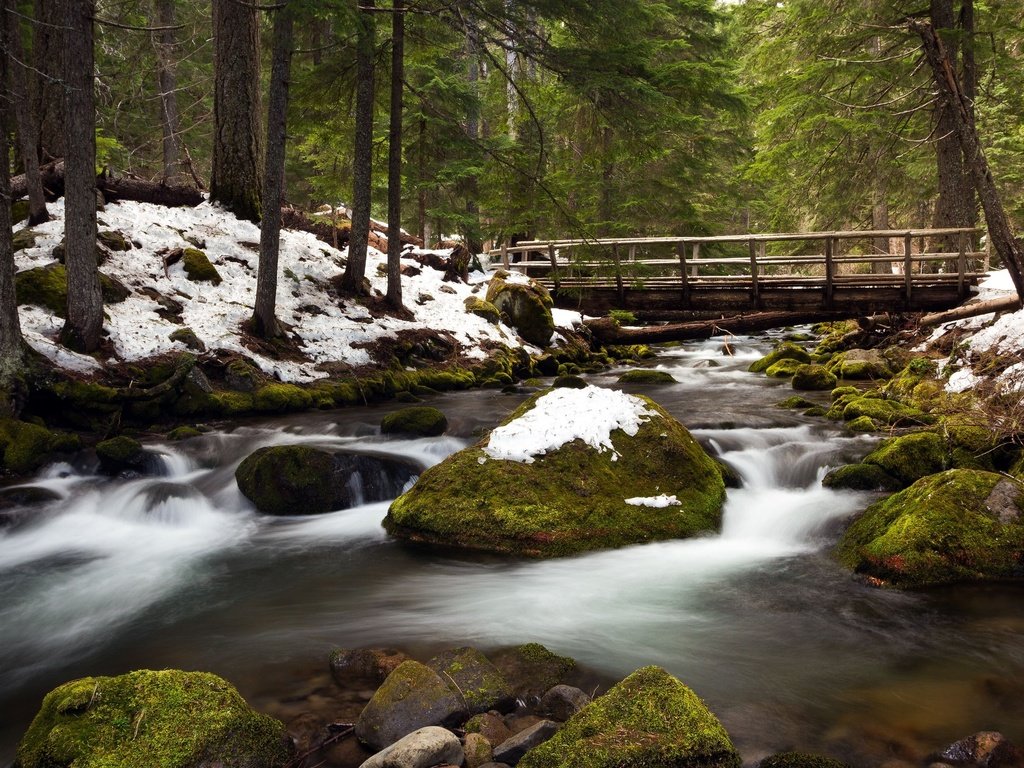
(85, 302)
(167, 81)
(21, 106)
(880, 221)
(394, 294)
(472, 230)
(48, 52)
(1009, 248)
(970, 86)
(362, 154)
(264, 320)
(235, 181)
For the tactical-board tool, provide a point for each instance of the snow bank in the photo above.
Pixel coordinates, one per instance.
(656, 502)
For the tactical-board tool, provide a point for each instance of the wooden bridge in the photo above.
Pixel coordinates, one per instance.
(828, 272)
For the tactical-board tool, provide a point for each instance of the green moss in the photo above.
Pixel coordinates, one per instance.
(114, 241)
(119, 450)
(785, 351)
(25, 447)
(419, 420)
(885, 412)
(800, 760)
(528, 308)
(188, 337)
(474, 678)
(839, 392)
(281, 398)
(480, 308)
(862, 425)
(959, 525)
(532, 669)
(183, 433)
(287, 479)
(569, 500)
(165, 719)
(649, 719)
(813, 378)
(817, 411)
(835, 336)
(630, 352)
(860, 364)
(647, 376)
(198, 267)
(24, 239)
(911, 457)
(20, 210)
(569, 381)
(783, 369)
(794, 402)
(861, 477)
(47, 287)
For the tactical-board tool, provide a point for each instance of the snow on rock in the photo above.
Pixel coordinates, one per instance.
(564, 415)
(329, 329)
(656, 502)
(962, 380)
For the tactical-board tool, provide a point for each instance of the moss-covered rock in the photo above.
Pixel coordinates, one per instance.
(571, 498)
(165, 719)
(785, 351)
(477, 306)
(816, 411)
(113, 240)
(860, 364)
(911, 457)
(198, 267)
(281, 398)
(47, 287)
(24, 239)
(647, 376)
(423, 421)
(569, 381)
(813, 378)
(885, 412)
(475, 679)
(795, 402)
(121, 453)
(649, 719)
(188, 337)
(531, 669)
(25, 447)
(845, 391)
(20, 210)
(527, 306)
(800, 760)
(861, 477)
(783, 369)
(183, 433)
(955, 526)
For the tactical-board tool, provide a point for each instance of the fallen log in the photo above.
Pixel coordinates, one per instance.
(53, 181)
(607, 331)
(116, 188)
(974, 309)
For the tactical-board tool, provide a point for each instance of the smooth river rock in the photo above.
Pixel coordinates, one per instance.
(420, 749)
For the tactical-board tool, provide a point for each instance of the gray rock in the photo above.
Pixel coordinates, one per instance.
(420, 749)
(474, 678)
(412, 697)
(352, 668)
(490, 726)
(563, 701)
(478, 750)
(512, 750)
(987, 749)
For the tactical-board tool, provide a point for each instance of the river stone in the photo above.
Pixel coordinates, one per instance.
(651, 719)
(473, 677)
(353, 668)
(165, 719)
(420, 749)
(302, 480)
(526, 304)
(490, 726)
(813, 378)
(784, 351)
(563, 701)
(961, 525)
(572, 498)
(860, 364)
(478, 750)
(511, 751)
(910, 457)
(421, 420)
(412, 697)
(125, 454)
(531, 669)
(987, 749)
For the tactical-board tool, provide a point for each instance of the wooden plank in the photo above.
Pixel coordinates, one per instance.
(618, 273)
(554, 265)
(829, 269)
(504, 255)
(908, 247)
(682, 274)
(753, 274)
(961, 264)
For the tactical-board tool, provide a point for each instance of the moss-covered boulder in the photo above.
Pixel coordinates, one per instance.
(198, 267)
(539, 486)
(649, 719)
(20, 210)
(184, 432)
(25, 447)
(420, 420)
(113, 240)
(861, 425)
(959, 525)
(412, 697)
(785, 351)
(910, 457)
(303, 480)
(647, 376)
(813, 378)
(24, 239)
(800, 760)
(526, 304)
(531, 669)
(123, 454)
(883, 411)
(569, 381)
(188, 337)
(861, 477)
(47, 287)
(281, 398)
(473, 677)
(165, 719)
(783, 369)
(795, 402)
(477, 306)
(860, 364)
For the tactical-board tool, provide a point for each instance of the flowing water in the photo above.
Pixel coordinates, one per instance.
(787, 648)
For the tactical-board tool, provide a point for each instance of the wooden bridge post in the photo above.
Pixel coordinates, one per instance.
(908, 264)
(682, 275)
(695, 268)
(618, 274)
(755, 292)
(961, 265)
(829, 270)
(504, 255)
(554, 264)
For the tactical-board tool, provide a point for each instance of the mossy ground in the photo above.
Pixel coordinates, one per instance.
(25, 447)
(165, 719)
(649, 719)
(569, 500)
(47, 287)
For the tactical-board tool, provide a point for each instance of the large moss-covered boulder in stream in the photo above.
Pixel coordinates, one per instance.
(649, 719)
(571, 470)
(165, 719)
(303, 480)
(860, 364)
(784, 351)
(25, 447)
(959, 525)
(910, 457)
(526, 303)
(417, 420)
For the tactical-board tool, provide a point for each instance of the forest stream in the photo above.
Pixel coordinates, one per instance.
(787, 648)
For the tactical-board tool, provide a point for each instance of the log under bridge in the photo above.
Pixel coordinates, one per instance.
(828, 273)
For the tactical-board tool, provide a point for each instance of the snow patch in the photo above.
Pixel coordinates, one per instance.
(657, 502)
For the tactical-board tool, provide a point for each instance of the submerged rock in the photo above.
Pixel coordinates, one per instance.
(165, 719)
(956, 526)
(352, 668)
(649, 719)
(509, 494)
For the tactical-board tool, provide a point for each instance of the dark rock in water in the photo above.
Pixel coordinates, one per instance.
(532, 669)
(420, 749)
(512, 750)
(163, 492)
(25, 496)
(469, 674)
(423, 421)
(987, 749)
(861, 477)
(125, 454)
(412, 697)
(364, 666)
(569, 381)
(563, 701)
(800, 760)
(302, 480)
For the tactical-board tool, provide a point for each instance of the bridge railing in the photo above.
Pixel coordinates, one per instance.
(805, 259)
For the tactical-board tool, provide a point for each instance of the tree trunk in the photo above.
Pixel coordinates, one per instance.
(264, 320)
(472, 231)
(235, 181)
(48, 52)
(394, 294)
(1000, 233)
(970, 86)
(85, 302)
(880, 221)
(362, 154)
(28, 139)
(511, 69)
(167, 80)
